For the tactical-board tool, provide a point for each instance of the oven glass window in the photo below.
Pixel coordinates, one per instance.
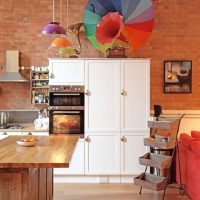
(67, 123)
(59, 99)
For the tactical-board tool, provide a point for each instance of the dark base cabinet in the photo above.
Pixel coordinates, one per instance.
(26, 184)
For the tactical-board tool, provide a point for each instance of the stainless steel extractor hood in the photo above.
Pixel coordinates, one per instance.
(12, 73)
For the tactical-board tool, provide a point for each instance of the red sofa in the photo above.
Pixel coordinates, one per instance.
(189, 153)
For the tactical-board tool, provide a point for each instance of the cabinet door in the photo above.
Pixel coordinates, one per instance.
(135, 98)
(102, 99)
(77, 163)
(132, 147)
(66, 72)
(102, 154)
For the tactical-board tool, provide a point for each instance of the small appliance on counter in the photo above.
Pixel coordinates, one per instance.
(42, 122)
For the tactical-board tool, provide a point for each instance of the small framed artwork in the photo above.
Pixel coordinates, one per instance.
(178, 76)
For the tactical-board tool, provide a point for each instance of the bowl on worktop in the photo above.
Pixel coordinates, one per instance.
(27, 141)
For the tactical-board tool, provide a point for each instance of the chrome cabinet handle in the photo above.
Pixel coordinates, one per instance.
(87, 92)
(52, 76)
(123, 139)
(88, 139)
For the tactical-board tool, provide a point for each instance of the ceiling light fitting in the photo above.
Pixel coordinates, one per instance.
(68, 40)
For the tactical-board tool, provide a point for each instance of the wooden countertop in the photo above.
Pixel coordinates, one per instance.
(28, 127)
(50, 151)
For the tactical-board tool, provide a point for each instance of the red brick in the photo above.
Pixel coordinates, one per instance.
(175, 37)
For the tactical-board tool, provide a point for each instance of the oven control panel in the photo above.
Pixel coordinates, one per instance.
(66, 88)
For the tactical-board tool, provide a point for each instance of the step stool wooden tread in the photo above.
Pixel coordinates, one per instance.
(156, 160)
(152, 182)
(159, 144)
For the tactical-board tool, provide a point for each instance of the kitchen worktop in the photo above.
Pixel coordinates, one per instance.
(51, 151)
(27, 172)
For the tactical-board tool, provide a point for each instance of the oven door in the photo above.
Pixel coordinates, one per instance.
(66, 122)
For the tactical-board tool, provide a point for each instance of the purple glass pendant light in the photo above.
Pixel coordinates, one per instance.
(54, 27)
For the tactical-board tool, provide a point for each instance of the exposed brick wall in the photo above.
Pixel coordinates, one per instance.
(176, 36)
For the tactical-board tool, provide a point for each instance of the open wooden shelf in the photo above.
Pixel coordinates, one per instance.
(156, 160)
(39, 90)
(160, 144)
(163, 137)
(152, 182)
(39, 79)
(46, 87)
(40, 103)
(39, 71)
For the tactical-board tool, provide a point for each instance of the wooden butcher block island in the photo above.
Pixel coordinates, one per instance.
(26, 173)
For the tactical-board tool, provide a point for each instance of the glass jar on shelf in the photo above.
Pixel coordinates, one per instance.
(36, 76)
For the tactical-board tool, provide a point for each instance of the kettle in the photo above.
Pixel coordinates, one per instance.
(42, 122)
(4, 116)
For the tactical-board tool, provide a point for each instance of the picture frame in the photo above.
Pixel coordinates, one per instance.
(177, 76)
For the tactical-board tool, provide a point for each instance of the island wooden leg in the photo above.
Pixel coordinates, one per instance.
(26, 184)
(49, 184)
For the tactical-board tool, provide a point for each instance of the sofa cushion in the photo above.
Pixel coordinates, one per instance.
(195, 146)
(195, 134)
(193, 166)
(181, 163)
(186, 139)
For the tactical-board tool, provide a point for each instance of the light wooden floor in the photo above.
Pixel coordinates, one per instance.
(111, 192)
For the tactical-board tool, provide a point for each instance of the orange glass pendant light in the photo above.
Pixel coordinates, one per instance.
(61, 42)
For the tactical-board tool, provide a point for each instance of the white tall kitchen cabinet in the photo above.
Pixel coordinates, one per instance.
(134, 112)
(117, 108)
(102, 119)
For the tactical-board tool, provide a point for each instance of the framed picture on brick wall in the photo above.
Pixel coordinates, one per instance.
(178, 76)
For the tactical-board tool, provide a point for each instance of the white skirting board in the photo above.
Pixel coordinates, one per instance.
(92, 179)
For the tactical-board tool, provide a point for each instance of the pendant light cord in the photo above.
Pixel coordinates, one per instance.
(67, 13)
(60, 11)
(53, 17)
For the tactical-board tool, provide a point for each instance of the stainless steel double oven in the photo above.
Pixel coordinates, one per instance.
(66, 110)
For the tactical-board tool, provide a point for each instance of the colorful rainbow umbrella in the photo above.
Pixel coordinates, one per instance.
(137, 15)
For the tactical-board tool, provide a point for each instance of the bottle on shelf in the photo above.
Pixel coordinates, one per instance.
(33, 96)
(39, 97)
